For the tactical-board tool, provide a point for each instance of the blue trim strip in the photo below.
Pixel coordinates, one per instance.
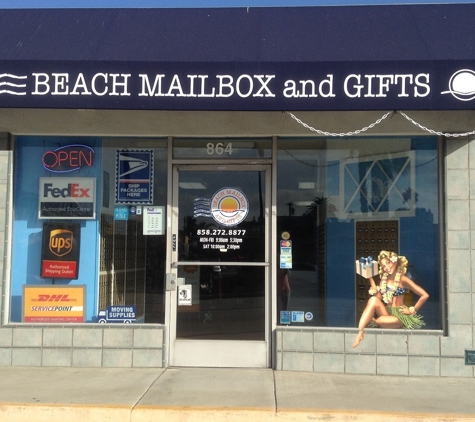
(197, 4)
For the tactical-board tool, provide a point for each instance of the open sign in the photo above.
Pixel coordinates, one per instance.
(68, 158)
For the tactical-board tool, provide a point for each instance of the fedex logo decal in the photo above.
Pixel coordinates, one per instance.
(67, 197)
(73, 190)
(59, 189)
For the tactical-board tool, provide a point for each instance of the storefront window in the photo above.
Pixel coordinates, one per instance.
(340, 200)
(89, 232)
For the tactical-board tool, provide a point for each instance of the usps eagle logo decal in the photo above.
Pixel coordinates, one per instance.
(228, 207)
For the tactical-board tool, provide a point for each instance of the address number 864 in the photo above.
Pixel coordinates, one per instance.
(219, 148)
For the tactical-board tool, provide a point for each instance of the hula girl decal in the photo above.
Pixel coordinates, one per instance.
(385, 307)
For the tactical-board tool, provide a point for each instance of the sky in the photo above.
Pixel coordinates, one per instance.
(62, 4)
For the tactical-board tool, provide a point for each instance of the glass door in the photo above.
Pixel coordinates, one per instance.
(220, 259)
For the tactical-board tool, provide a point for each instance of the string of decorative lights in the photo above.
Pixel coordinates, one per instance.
(377, 122)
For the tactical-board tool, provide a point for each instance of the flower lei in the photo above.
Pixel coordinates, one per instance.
(383, 288)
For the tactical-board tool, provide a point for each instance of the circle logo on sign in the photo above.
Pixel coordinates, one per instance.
(308, 316)
(462, 85)
(229, 206)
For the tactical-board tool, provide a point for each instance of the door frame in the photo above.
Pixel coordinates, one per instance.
(218, 353)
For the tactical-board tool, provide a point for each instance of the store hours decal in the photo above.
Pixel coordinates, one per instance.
(220, 239)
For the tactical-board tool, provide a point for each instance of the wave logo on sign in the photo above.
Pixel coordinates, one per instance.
(202, 207)
(61, 242)
(12, 84)
(228, 207)
(462, 85)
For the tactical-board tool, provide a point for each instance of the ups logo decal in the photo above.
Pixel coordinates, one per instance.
(60, 242)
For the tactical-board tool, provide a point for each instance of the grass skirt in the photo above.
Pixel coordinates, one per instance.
(410, 322)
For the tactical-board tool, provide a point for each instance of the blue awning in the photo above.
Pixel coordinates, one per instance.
(300, 58)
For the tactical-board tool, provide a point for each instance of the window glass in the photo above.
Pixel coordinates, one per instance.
(240, 234)
(132, 256)
(339, 200)
(83, 249)
(228, 303)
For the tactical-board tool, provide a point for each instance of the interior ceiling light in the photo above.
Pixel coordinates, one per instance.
(306, 185)
(191, 185)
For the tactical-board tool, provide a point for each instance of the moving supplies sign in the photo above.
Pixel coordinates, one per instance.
(71, 198)
(60, 250)
(54, 304)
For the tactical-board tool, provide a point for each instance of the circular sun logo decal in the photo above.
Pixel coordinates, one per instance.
(229, 206)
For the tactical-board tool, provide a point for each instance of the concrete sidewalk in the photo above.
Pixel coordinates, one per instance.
(203, 395)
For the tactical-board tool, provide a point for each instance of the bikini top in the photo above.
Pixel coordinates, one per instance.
(399, 291)
(389, 291)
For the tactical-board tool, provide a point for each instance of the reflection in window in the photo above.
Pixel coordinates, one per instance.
(203, 236)
(118, 264)
(227, 303)
(132, 265)
(325, 190)
(381, 185)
